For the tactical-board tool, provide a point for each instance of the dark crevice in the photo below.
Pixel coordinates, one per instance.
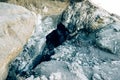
(57, 37)
(53, 40)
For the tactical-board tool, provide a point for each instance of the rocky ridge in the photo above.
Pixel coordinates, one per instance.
(91, 54)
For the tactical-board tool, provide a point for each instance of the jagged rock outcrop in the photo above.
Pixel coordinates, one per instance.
(16, 26)
(85, 49)
(85, 15)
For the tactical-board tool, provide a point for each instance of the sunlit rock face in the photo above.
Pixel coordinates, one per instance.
(84, 14)
(84, 56)
(16, 26)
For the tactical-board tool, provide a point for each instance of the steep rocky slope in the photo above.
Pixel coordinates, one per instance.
(90, 53)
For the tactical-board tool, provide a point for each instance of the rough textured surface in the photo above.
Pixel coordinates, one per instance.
(86, 15)
(108, 38)
(35, 44)
(16, 26)
(81, 51)
(87, 55)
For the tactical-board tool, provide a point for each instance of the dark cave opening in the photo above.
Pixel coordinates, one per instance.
(57, 36)
(53, 40)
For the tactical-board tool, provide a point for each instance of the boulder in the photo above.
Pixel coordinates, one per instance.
(85, 15)
(16, 26)
(108, 38)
